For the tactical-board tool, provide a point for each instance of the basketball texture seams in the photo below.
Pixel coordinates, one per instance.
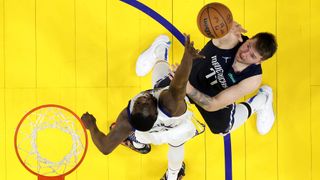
(214, 20)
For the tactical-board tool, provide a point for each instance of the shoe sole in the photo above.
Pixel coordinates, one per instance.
(268, 90)
(160, 39)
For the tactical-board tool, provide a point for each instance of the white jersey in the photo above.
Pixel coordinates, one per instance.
(166, 129)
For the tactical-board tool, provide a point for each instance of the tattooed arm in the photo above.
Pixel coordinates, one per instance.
(225, 97)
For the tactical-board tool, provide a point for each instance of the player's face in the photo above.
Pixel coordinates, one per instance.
(247, 54)
(145, 102)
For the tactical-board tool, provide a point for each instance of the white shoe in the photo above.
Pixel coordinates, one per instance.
(157, 51)
(265, 114)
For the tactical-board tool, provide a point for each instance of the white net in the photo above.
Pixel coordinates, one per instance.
(51, 141)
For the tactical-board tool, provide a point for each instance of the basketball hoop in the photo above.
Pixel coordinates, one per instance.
(50, 118)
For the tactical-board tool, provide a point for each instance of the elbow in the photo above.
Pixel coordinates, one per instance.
(105, 151)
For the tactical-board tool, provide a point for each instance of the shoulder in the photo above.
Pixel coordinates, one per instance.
(253, 70)
(257, 70)
(123, 120)
(168, 103)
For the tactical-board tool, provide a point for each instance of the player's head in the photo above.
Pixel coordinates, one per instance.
(257, 49)
(144, 113)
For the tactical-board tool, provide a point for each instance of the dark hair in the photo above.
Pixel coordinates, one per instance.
(266, 44)
(146, 117)
(142, 123)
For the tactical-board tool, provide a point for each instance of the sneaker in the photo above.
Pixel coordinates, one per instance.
(157, 51)
(129, 143)
(144, 150)
(180, 174)
(265, 115)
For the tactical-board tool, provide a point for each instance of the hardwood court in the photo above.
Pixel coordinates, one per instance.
(81, 54)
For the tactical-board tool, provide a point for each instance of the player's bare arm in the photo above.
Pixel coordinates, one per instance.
(107, 143)
(232, 38)
(225, 97)
(173, 98)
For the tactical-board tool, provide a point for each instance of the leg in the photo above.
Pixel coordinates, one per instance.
(160, 71)
(157, 51)
(260, 103)
(176, 166)
(242, 113)
(244, 110)
(219, 122)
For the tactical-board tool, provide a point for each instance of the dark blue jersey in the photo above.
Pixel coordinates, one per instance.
(211, 76)
(215, 73)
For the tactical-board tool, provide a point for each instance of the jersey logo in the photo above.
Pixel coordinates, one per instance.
(217, 71)
(231, 77)
(226, 59)
(213, 73)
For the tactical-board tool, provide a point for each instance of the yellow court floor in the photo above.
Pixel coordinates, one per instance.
(81, 54)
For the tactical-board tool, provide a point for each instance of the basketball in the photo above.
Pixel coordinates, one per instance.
(214, 20)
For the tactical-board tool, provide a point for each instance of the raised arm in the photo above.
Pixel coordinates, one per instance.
(225, 97)
(232, 38)
(107, 143)
(173, 98)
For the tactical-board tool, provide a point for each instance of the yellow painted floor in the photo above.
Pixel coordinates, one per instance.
(81, 54)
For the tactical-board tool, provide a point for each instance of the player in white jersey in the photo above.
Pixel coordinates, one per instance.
(155, 116)
(167, 129)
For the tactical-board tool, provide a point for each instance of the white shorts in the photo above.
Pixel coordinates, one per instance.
(175, 136)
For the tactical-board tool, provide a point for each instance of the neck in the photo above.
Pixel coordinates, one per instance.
(238, 67)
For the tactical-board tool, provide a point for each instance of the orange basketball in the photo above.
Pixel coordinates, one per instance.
(214, 20)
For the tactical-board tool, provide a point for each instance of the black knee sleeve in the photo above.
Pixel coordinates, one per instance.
(248, 107)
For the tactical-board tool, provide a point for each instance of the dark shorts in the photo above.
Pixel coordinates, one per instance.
(220, 121)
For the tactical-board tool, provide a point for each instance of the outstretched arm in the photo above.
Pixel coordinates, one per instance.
(225, 97)
(232, 38)
(107, 143)
(173, 98)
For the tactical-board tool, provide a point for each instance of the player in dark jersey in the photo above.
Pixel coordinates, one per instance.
(231, 70)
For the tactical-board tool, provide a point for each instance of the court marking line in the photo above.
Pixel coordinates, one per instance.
(176, 33)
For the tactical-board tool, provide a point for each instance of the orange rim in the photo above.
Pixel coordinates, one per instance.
(41, 107)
